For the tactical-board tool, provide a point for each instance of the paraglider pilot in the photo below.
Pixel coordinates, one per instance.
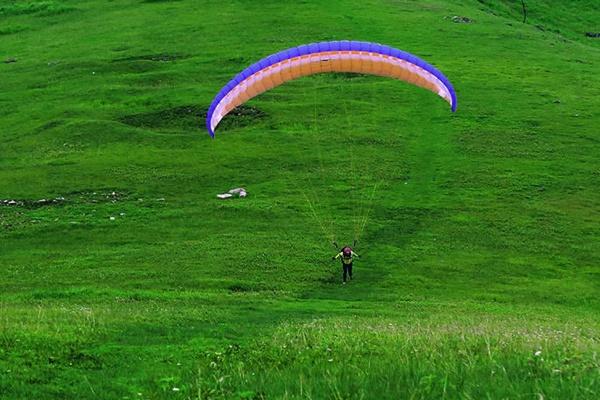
(346, 255)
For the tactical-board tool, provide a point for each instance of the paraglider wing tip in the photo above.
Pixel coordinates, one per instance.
(209, 117)
(453, 100)
(211, 132)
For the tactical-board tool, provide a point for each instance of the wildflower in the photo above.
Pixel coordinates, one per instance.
(176, 389)
(537, 353)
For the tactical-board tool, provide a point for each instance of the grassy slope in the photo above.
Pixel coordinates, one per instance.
(479, 249)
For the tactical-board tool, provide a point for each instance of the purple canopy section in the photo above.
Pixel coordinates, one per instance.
(340, 45)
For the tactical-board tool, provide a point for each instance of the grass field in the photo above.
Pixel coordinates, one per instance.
(478, 231)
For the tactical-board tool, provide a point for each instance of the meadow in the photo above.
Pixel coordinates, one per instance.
(124, 277)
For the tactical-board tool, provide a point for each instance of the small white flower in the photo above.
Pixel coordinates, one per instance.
(330, 360)
(112, 218)
(537, 353)
(176, 389)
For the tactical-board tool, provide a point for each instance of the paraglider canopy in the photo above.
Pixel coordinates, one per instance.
(337, 56)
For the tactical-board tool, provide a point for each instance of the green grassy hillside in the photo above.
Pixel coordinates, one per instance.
(124, 277)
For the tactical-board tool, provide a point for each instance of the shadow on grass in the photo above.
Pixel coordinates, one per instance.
(192, 117)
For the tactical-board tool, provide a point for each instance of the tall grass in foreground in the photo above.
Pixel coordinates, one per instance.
(356, 360)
